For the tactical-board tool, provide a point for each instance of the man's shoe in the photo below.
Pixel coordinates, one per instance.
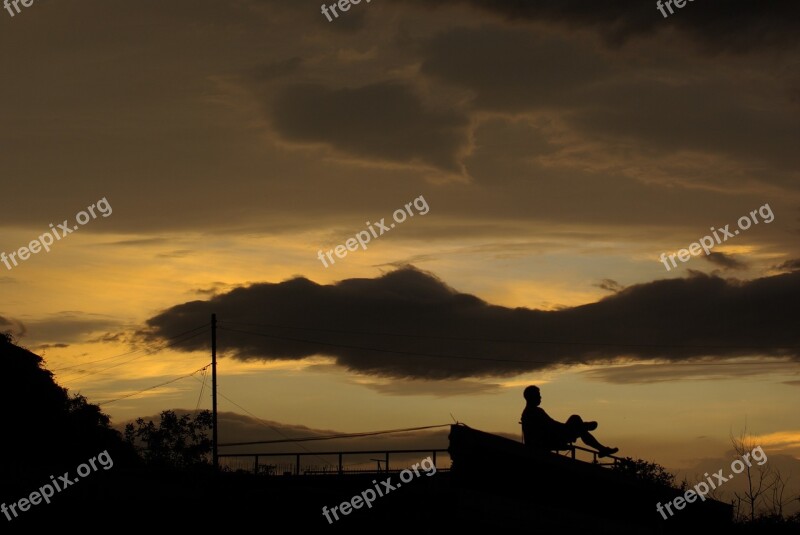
(605, 452)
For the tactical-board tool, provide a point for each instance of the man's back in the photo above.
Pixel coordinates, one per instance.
(539, 429)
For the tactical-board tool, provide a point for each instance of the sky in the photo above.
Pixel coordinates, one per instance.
(404, 215)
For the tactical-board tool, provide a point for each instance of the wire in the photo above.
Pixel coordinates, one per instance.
(263, 424)
(87, 374)
(152, 387)
(332, 437)
(125, 354)
(202, 388)
(93, 361)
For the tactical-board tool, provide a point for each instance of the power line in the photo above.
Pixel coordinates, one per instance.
(152, 387)
(202, 388)
(125, 354)
(263, 424)
(93, 361)
(152, 350)
(332, 437)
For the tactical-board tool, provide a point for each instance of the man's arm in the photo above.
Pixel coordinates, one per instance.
(545, 418)
(539, 429)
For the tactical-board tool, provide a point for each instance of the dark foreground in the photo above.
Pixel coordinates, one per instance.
(137, 502)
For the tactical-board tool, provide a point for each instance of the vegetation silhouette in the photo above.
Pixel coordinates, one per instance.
(41, 414)
(176, 443)
(647, 471)
(162, 478)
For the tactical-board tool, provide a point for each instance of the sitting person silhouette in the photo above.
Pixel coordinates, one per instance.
(542, 432)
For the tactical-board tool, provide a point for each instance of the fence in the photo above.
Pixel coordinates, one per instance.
(255, 462)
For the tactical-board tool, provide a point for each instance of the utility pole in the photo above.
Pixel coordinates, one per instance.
(214, 437)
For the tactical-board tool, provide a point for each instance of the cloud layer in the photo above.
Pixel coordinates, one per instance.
(717, 25)
(408, 323)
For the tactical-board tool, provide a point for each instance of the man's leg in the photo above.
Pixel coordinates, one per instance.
(577, 427)
(580, 429)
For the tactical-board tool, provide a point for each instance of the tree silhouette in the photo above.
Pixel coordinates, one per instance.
(43, 421)
(176, 442)
(647, 471)
(763, 482)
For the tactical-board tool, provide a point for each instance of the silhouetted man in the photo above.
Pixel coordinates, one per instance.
(542, 432)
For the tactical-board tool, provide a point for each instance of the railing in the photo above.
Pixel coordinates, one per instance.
(571, 452)
(271, 469)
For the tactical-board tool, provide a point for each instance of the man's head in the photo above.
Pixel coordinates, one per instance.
(532, 395)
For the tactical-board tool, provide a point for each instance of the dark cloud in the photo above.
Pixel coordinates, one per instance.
(439, 389)
(178, 253)
(111, 338)
(346, 23)
(384, 121)
(276, 69)
(138, 242)
(628, 109)
(716, 25)
(713, 370)
(610, 285)
(69, 326)
(15, 327)
(725, 260)
(48, 346)
(411, 324)
(514, 71)
(789, 265)
(511, 69)
(215, 288)
(209, 130)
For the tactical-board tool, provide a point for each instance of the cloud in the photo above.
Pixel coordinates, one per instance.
(215, 288)
(15, 327)
(715, 25)
(276, 70)
(48, 346)
(780, 440)
(69, 326)
(610, 285)
(511, 69)
(514, 71)
(137, 242)
(178, 253)
(789, 265)
(626, 108)
(111, 338)
(348, 120)
(408, 323)
(439, 389)
(725, 260)
(709, 370)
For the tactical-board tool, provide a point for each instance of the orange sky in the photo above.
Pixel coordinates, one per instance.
(559, 156)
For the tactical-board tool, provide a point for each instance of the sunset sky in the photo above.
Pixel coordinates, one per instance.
(554, 151)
